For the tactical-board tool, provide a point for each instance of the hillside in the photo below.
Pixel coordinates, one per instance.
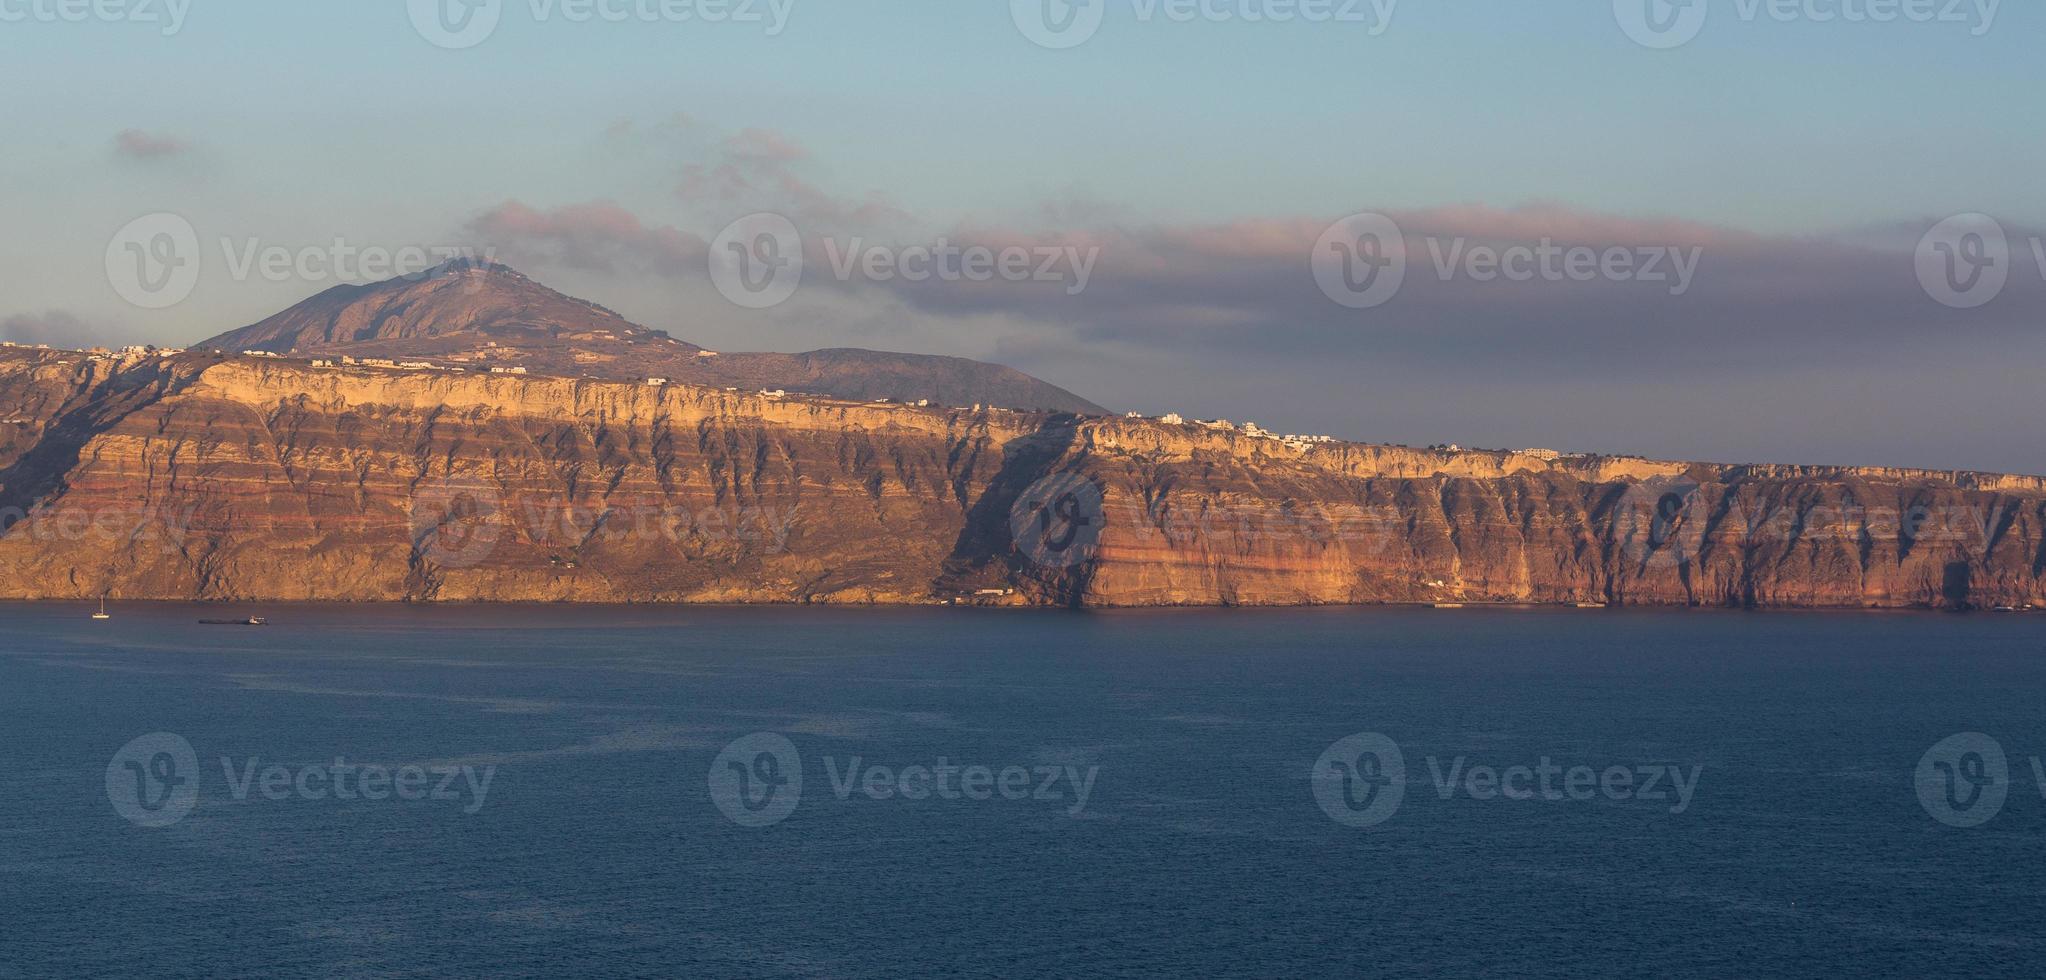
(487, 315)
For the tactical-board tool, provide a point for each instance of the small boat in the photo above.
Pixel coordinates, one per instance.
(1591, 605)
(1449, 605)
(250, 621)
(102, 614)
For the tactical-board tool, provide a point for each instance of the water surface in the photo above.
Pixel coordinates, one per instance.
(1201, 848)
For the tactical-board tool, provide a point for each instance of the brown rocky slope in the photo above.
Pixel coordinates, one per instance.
(235, 478)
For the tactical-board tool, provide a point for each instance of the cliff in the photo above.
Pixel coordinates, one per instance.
(200, 477)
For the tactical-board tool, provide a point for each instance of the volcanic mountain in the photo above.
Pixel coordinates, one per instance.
(485, 315)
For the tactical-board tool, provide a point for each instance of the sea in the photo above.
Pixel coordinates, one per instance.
(807, 792)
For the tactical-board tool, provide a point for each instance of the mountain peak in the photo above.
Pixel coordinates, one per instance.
(463, 300)
(479, 314)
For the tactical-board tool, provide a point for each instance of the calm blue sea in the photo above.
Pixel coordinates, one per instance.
(558, 793)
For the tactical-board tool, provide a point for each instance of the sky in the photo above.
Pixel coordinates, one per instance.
(1730, 238)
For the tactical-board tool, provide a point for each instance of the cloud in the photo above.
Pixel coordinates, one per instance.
(135, 144)
(760, 170)
(55, 328)
(1697, 292)
(597, 236)
(1247, 287)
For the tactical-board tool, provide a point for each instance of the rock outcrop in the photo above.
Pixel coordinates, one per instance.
(238, 478)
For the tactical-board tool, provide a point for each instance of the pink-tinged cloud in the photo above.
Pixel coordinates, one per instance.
(759, 170)
(138, 145)
(765, 144)
(598, 235)
(1246, 288)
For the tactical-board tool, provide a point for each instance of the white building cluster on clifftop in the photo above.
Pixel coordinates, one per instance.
(1249, 429)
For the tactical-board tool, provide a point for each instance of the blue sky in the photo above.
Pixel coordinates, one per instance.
(297, 123)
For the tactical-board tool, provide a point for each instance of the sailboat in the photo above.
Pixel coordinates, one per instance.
(102, 614)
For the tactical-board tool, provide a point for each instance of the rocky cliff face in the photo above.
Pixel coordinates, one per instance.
(197, 477)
